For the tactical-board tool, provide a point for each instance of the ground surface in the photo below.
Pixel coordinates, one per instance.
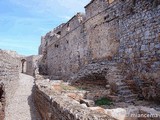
(21, 106)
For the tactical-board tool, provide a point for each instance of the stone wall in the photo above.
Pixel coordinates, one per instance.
(32, 63)
(58, 100)
(15, 55)
(73, 43)
(9, 75)
(125, 32)
(140, 45)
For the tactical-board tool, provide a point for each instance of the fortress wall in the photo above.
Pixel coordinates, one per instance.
(118, 31)
(108, 33)
(69, 52)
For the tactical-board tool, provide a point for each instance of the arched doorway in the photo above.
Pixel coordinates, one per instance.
(23, 61)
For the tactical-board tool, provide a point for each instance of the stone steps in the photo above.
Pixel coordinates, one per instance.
(130, 97)
(117, 78)
(123, 87)
(127, 95)
(130, 100)
(123, 91)
(120, 84)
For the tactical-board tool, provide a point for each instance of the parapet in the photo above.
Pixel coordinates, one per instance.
(63, 29)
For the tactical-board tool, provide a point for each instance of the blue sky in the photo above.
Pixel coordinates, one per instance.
(23, 22)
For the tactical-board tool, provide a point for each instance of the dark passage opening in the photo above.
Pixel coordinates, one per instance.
(2, 101)
(23, 61)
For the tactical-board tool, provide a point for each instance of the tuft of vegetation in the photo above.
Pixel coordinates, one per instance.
(103, 101)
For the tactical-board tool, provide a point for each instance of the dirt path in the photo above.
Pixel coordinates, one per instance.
(21, 106)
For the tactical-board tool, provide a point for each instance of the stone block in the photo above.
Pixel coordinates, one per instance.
(110, 1)
(89, 103)
(75, 96)
(118, 113)
(113, 98)
(143, 47)
(149, 113)
(98, 109)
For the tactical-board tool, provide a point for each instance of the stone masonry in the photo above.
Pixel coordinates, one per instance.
(123, 32)
(32, 63)
(9, 75)
(57, 100)
(53, 105)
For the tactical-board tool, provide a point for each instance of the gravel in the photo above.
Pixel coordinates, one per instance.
(21, 105)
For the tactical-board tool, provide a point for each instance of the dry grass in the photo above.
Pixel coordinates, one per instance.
(62, 86)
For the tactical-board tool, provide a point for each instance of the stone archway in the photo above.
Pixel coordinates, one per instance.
(23, 61)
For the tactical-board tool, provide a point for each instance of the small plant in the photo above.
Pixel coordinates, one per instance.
(103, 101)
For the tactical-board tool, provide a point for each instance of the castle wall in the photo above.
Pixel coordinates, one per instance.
(69, 50)
(125, 32)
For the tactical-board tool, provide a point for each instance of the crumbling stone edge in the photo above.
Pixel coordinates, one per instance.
(56, 107)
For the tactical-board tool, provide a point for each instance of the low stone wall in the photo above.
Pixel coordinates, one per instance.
(57, 100)
(54, 106)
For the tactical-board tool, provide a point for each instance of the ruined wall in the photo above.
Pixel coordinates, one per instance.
(15, 55)
(9, 75)
(126, 32)
(32, 64)
(54, 106)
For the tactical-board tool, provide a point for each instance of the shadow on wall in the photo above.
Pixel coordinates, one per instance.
(2, 101)
(34, 113)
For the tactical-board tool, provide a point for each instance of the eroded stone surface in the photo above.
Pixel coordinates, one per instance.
(62, 102)
(58, 105)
